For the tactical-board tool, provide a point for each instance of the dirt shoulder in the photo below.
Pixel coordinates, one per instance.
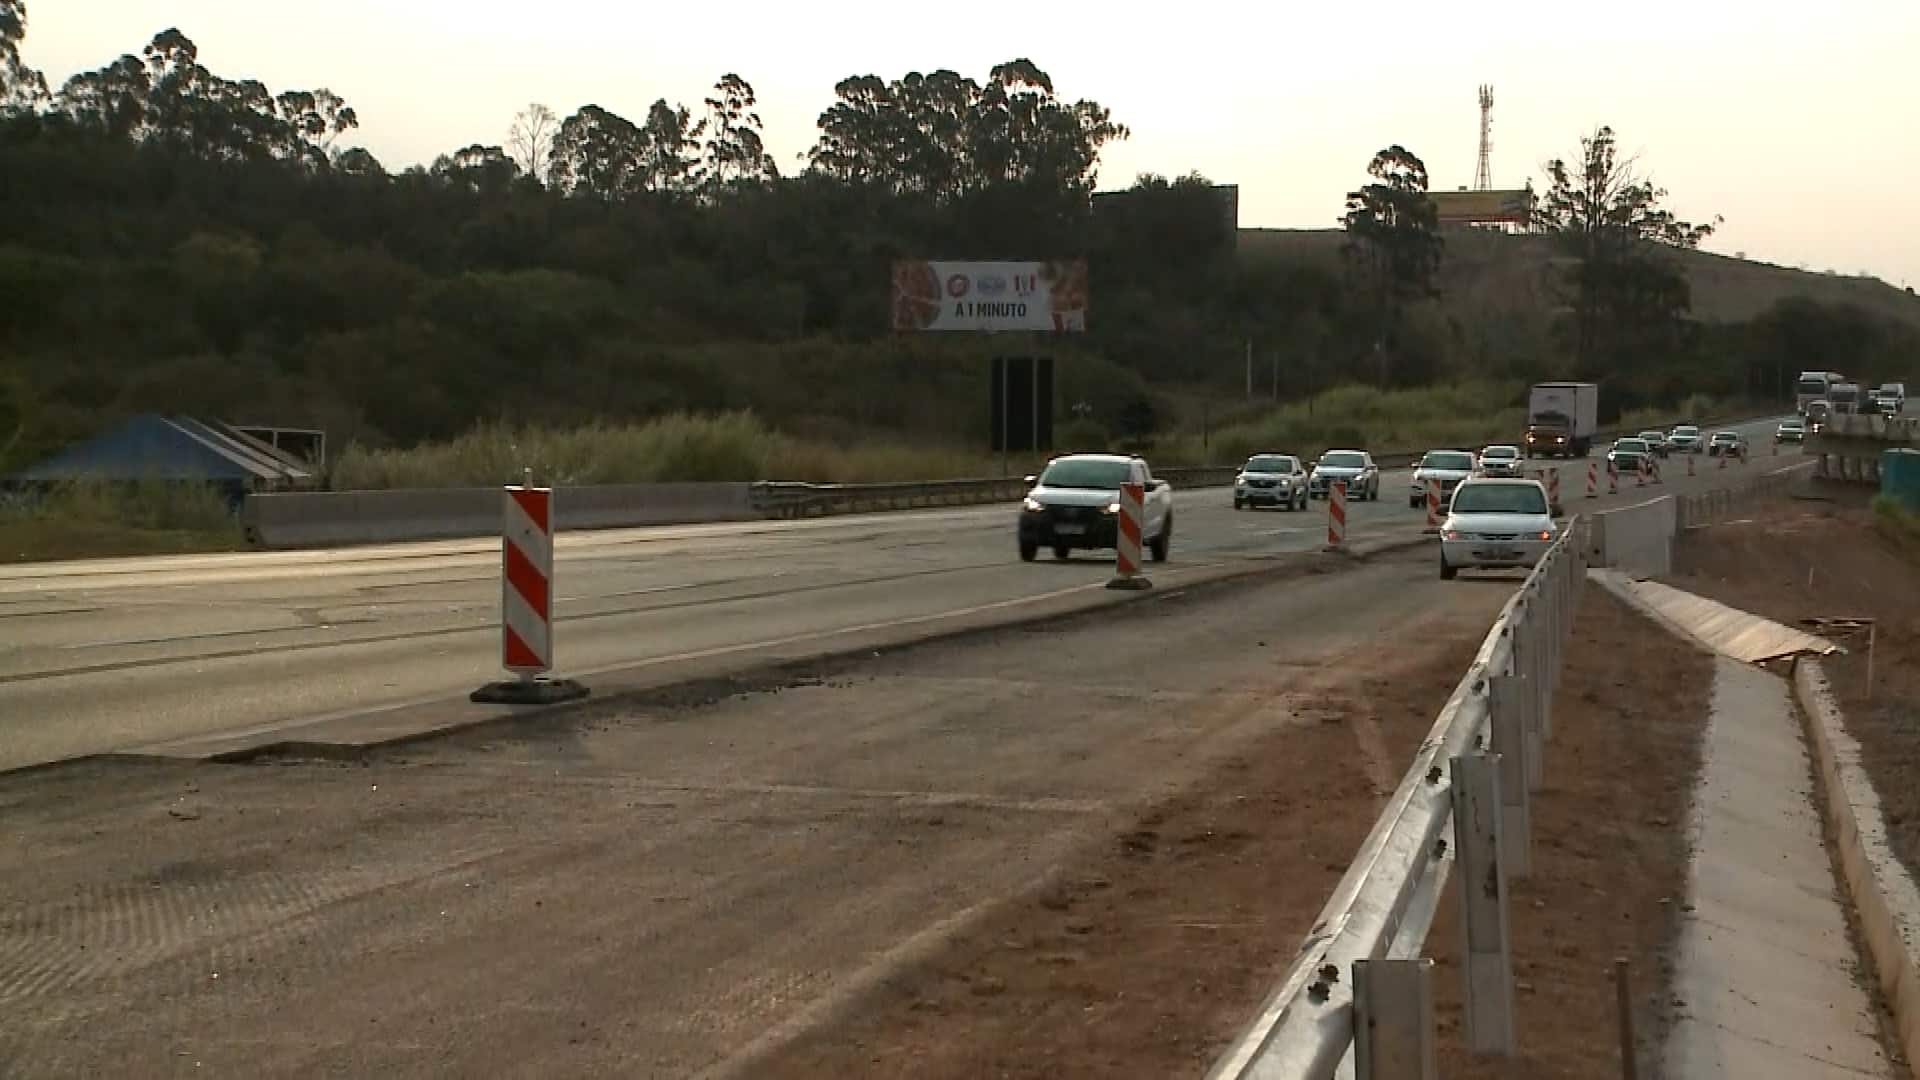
(1610, 855)
(1794, 560)
(1154, 945)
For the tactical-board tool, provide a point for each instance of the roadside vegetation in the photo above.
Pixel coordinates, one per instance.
(90, 519)
(1898, 523)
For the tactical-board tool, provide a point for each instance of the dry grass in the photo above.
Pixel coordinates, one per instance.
(92, 518)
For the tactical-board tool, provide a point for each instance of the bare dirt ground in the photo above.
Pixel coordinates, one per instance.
(1793, 560)
(1038, 852)
(1610, 856)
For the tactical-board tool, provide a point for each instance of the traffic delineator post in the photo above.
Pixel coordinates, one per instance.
(1433, 506)
(1613, 479)
(1553, 490)
(1593, 480)
(1127, 545)
(526, 605)
(1654, 463)
(1640, 473)
(1690, 458)
(1337, 515)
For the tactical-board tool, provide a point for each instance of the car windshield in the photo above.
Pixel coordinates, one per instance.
(1279, 463)
(1090, 473)
(1790, 424)
(1456, 462)
(1500, 453)
(1630, 446)
(1725, 436)
(1686, 431)
(1500, 499)
(1652, 436)
(1344, 459)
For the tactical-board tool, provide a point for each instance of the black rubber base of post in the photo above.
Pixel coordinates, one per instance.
(540, 691)
(1131, 584)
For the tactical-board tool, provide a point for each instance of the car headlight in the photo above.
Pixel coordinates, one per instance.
(1032, 505)
(1454, 534)
(1113, 507)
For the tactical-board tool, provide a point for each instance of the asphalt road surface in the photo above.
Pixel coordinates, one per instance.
(179, 653)
(675, 889)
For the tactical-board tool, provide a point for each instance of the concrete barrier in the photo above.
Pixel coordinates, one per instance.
(1635, 539)
(331, 518)
(1885, 899)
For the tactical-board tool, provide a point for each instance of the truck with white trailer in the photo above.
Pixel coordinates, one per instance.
(1561, 419)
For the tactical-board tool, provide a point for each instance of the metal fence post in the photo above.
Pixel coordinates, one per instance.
(1393, 1020)
(1515, 746)
(1483, 904)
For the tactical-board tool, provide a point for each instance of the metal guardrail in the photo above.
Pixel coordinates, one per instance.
(787, 500)
(1708, 507)
(1384, 905)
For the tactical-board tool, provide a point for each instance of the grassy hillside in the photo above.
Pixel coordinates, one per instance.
(1482, 264)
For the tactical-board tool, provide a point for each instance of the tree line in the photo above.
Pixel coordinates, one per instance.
(182, 240)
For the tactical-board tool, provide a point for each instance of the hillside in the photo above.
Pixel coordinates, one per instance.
(1483, 267)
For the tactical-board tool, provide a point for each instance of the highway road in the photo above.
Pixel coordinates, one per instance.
(181, 654)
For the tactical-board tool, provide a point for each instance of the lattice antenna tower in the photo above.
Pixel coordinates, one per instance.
(1483, 175)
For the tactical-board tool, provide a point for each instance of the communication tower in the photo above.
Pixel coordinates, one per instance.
(1483, 175)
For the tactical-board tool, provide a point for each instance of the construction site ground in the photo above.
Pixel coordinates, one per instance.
(1826, 558)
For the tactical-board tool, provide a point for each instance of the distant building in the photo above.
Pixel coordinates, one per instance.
(178, 449)
(1511, 210)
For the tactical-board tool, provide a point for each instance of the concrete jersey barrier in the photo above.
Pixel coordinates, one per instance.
(1636, 539)
(379, 517)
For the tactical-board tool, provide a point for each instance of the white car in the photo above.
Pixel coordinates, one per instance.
(1449, 467)
(1686, 439)
(1074, 504)
(1356, 467)
(1502, 461)
(1496, 525)
(1271, 480)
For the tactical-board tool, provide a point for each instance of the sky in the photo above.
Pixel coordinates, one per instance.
(1794, 123)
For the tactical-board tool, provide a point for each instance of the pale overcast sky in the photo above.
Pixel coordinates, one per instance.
(1795, 122)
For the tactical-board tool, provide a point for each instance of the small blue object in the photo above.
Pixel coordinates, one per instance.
(1900, 477)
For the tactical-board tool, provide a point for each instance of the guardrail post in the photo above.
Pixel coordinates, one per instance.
(1393, 1020)
(1516, 746)
(1488, 966)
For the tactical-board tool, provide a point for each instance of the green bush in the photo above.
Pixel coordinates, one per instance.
(85, 518)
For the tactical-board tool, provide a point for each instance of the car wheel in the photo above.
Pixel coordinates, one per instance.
(1239, 504)
(1062, 551)
(1028, 550)
(1164, 542)
(1303, 503)
(1447, 573)
(1414, 503)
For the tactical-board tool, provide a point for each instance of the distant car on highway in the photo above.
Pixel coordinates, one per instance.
(1655, 440)
(1502, 461)
(1271, 480)
(1629, 455)
(1792, 429)
(1686, 439)
(1449, 467)
(1356, 467)
(1727, 443)
(1074, 505)
(1496, 524)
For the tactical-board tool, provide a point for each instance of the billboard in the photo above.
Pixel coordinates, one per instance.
(1472, 207)
(990, 296)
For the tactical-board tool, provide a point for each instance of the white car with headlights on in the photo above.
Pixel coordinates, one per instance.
(1074, 504)
(1448, 467)
(1271, 480)
(1496, 525)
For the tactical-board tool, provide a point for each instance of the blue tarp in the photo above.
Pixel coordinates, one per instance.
(153, 447)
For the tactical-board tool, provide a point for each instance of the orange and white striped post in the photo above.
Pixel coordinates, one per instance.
(1653, 462)
(1337, 516)
(1613, 478)
(1553, 490)
(1690, 464)
(1433, 506)
(1127, 545)
(1593, 480)
(526, 604)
